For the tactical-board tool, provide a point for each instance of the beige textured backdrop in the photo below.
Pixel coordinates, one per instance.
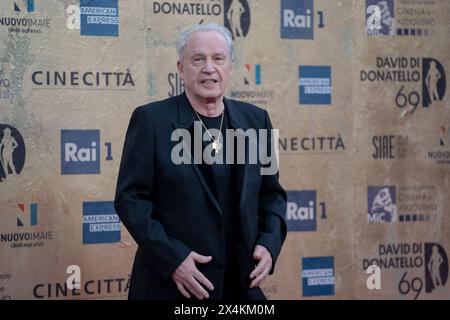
(340, 174)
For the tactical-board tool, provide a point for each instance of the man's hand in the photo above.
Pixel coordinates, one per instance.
(263, 267)
(189, 279)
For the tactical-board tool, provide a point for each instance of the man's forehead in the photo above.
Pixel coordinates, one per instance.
(203, 34)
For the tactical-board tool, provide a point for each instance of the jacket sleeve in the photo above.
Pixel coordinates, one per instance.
(272, 227)
(134, 198)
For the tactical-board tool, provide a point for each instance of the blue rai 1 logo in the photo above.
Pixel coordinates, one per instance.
(318, 277)
(301, 210)
(297, 19)
(80, 152)
(101, 224)
(315, 85)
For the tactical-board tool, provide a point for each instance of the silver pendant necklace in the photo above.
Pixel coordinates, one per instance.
(216, 144)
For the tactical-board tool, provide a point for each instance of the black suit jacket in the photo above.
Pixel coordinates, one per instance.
(170, 211)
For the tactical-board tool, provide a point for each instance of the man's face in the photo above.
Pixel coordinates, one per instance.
(206, 65)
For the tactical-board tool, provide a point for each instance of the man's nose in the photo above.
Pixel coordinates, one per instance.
(209, 66)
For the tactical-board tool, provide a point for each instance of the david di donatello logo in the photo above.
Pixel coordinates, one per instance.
(101, 224)
(315, 85)
(237, 17)
(94, 17)
(318, 277)
(12, 152)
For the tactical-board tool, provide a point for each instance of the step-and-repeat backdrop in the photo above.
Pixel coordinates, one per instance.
(359, 90)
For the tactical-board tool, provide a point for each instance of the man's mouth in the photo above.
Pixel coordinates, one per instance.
(209, 81)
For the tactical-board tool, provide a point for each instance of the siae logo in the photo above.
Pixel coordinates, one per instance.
(297, 19)
(380, 19)
(80, 151)
(12, 152)
(301, 211)
(389, 147)
(33, 215)
(237, 17)
(176, 84)
(382, 204)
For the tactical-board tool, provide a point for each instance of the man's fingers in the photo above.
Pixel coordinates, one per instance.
(183, 290)
(262, 264)
(257, 281)
(203, 280)
(199, 258)
(191, 289)
(197, 288)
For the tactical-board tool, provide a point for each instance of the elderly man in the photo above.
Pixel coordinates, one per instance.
(204, 229)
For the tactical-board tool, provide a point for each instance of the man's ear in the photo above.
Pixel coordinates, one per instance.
(180, 69)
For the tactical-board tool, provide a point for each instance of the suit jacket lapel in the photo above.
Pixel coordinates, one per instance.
(237, 122)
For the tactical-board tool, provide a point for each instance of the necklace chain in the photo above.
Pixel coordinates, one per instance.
(216, 142)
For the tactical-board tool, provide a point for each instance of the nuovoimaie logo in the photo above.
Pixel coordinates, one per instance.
(237, 17)
(315, 85)
(99, 18)
(80, 152)
(33, 218)
(301, 210)
(382, 204)
(253, 74)
(380, 17)
(318, 277)
(101, 224)
(24, 5)
(12, 152)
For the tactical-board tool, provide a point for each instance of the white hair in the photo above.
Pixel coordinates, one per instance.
(183, 37)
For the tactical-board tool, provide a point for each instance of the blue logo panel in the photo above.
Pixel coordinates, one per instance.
(297, 19)
(101, 224)
(380, 17)
(80, 151)
(315, 85)
(301, 210)
(318, 276)
(99, 18)
(382, 204)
